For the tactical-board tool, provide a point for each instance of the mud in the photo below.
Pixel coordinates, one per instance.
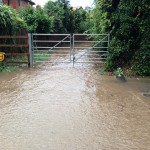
(58, 107)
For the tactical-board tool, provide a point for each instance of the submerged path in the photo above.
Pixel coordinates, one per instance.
(58, 107)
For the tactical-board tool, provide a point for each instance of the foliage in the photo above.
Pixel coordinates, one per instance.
(10, 22)
(142, 56)
(119, 72)
(2, 66)
(80, 20)
(128, 23)
(66, 19)
(54, 17)
(54, 9)
(37, 20)
(99, 17)
(5, 68)
(41, 56)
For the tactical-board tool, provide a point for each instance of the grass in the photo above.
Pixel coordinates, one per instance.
(9, 66)
(6, 68)
(41, 56)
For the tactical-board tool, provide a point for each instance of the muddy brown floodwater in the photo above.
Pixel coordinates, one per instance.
(58, 107)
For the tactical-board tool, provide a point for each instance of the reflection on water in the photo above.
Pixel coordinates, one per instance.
(58, 107)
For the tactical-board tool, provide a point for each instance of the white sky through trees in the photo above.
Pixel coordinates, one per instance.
(73, 3)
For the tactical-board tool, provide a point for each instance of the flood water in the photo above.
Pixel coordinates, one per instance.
(58, 107)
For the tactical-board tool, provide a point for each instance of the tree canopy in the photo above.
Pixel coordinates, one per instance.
(10, 21)
(55, 17)
(37, 20)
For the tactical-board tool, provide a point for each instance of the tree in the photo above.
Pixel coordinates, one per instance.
(100, 16)
(10, 22)
(37, 20)
(66, 19)
(54, 9)
(67, 22)
(127, 22)
(142, 56)
(80, 19)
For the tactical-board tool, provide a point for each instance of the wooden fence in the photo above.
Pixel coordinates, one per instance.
(16, 49)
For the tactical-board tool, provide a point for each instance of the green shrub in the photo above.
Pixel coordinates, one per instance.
(37, 20)
(119, 72)
(128, 23)
(10, 22)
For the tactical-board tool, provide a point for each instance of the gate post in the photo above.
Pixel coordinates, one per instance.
(30, 49)
(70, 47)
(108, 42)
(73, 49)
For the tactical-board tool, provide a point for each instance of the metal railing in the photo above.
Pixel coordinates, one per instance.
(51, 48)
(90, 48)
(80, 48)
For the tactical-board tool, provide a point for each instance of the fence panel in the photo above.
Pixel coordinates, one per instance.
(16, 49)
(52, 48)
(90, 48)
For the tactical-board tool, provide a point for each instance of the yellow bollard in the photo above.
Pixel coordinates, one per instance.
(2, 56)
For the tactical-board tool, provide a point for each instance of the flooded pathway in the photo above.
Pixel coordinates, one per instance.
(58, 107)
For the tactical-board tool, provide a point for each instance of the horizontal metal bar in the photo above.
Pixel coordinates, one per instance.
(50, 47)
(63, 61)
(60, 57)
(41, 51)
(96, 51)
(89, 47)
(88, 62)
(50, 41)
(47, 50)
(94, 54)
(38, 52)
(41, 54)
(49, 34)
(90, 34)
(60, 42)
(51, 55)
(96, 58)
(63, 53)
(90, 58)
(89, 41)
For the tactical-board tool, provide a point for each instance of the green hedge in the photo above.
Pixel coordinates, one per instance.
(128, 24)
(10, 22)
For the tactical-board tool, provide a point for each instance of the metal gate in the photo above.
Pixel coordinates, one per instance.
(90, 48)
(51, 48)
(80, 48)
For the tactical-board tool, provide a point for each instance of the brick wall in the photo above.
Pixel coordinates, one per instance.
(15, 3)
(5, 2)
(23, 4)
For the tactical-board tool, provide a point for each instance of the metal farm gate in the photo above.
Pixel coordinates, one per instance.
(51, 48)
(90, 48)
(62, 48)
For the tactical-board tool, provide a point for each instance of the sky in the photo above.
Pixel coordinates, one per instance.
(73, 3)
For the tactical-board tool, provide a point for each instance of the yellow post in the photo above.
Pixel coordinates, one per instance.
(2, 56)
